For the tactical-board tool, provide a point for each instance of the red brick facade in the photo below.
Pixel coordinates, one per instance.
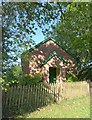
(41, 53)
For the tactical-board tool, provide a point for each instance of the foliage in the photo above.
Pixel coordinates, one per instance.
(3, 84)
(28, 79)
(20, 22)
(86, 72)
(71, 77)
(15, 76)
(73, 32)
(12, 76)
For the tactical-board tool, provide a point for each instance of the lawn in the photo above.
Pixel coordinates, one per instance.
(67, 108)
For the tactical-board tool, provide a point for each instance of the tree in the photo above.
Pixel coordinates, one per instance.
(73, 32)
(13, 76)
(20, 21)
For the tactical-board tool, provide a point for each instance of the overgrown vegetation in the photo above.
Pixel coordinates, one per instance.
(15, 76)
(29, 80)
(70, 77)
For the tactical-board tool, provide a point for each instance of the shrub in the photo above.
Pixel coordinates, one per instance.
(29, 80)
(13, 75)
(71, 77)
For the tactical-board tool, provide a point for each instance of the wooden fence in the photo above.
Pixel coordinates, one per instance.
(75, 89)
(19, 99)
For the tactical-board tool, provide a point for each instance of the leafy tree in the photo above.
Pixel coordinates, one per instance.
(73, 32)
(20, 21)
(13, 75)
(86, 72)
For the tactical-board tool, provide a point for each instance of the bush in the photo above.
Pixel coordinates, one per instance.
(13, 75)
(29, 80)
(71, 77)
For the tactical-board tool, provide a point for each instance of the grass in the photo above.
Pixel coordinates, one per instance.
(67, 108)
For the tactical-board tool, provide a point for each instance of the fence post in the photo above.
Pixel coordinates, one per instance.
(0, 104)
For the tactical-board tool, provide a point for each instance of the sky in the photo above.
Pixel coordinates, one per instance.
(39, 36)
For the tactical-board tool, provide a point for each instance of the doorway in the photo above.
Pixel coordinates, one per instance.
(54, 73)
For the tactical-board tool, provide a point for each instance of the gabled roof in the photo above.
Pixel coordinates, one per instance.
(54, 42)
(51, 56)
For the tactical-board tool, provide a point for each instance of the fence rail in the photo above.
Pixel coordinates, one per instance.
(19, 99)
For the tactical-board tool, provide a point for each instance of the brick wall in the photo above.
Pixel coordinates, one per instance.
(43, 52)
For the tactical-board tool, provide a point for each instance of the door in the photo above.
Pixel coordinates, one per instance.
(52, 75)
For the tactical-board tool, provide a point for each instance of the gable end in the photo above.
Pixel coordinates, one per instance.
(72, 55)
(51, 56)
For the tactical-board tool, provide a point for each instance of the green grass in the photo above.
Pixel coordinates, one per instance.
(67, 108)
